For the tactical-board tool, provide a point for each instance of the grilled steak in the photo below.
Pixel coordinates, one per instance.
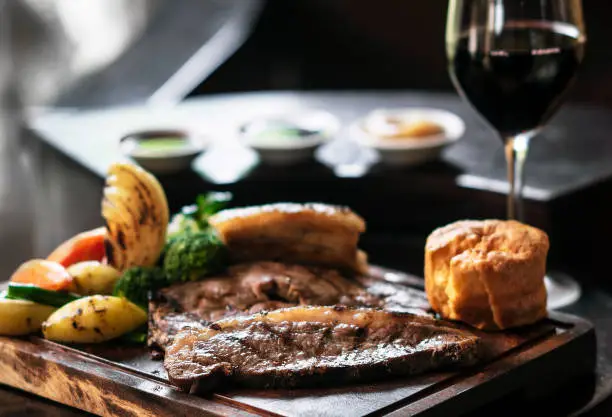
(303, 346)
(250, 288)
(317, 234)
(165, 322)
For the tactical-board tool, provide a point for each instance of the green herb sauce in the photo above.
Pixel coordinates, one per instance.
(162, 144)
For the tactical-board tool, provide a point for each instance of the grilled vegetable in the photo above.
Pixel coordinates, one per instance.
(20, 317)
(93, 319)
(39, 295)
(194, 255)
(92, 277)
(136, 283)
(184, 222)
(194, 218)
(86, 246)
(44, 274)
(162, 255)
(136, 213)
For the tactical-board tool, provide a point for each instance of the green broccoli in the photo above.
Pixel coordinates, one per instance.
(136, 283)
(194, 218)
(184, 222)
(193, 255)
(162, 255)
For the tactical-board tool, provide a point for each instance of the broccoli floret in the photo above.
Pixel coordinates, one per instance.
(192, 248)
(194, 218)
(136, 283)
(184, 222)
(162, 256)
(170, 239)
(193, 255)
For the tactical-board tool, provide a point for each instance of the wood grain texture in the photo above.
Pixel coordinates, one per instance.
(111, 379)
(77, 381)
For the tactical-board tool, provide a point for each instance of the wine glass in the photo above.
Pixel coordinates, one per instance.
(513, 60)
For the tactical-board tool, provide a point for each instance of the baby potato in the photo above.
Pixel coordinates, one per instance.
(92, 277)
(20, 317)
(93, 319)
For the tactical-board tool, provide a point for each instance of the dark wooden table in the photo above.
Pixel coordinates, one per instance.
(47, 196)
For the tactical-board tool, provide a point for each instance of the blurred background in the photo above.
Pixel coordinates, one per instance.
(109, 52)
(60, 56)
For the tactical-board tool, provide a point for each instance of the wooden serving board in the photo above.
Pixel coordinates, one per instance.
(114, 379)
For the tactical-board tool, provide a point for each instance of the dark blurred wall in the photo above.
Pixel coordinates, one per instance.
(362, 44)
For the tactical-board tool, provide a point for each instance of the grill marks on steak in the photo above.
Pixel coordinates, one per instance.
(250, 288)
(304, 346)
(165, 322)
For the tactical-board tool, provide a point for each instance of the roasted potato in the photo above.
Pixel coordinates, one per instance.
(93, 319)
(20, 317)
(92, 277)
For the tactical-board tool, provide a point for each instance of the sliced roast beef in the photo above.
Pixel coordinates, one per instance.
(253, 287)
(304, 346)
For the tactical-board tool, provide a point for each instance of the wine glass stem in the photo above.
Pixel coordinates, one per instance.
(516, 148)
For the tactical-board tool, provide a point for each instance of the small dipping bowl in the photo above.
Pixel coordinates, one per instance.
(289, 138)
(163, 151)
(408, 136)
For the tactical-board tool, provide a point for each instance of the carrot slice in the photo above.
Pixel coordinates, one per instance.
(44, 274)
(86, 246)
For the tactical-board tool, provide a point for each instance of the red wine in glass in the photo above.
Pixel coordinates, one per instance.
(518, 85)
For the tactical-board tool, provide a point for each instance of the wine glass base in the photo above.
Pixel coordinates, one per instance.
(562, 290)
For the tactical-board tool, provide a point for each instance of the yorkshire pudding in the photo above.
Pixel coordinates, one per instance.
(489, 273)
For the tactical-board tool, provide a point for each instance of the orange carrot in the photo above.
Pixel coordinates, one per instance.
(86, 246)
(44, 274)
